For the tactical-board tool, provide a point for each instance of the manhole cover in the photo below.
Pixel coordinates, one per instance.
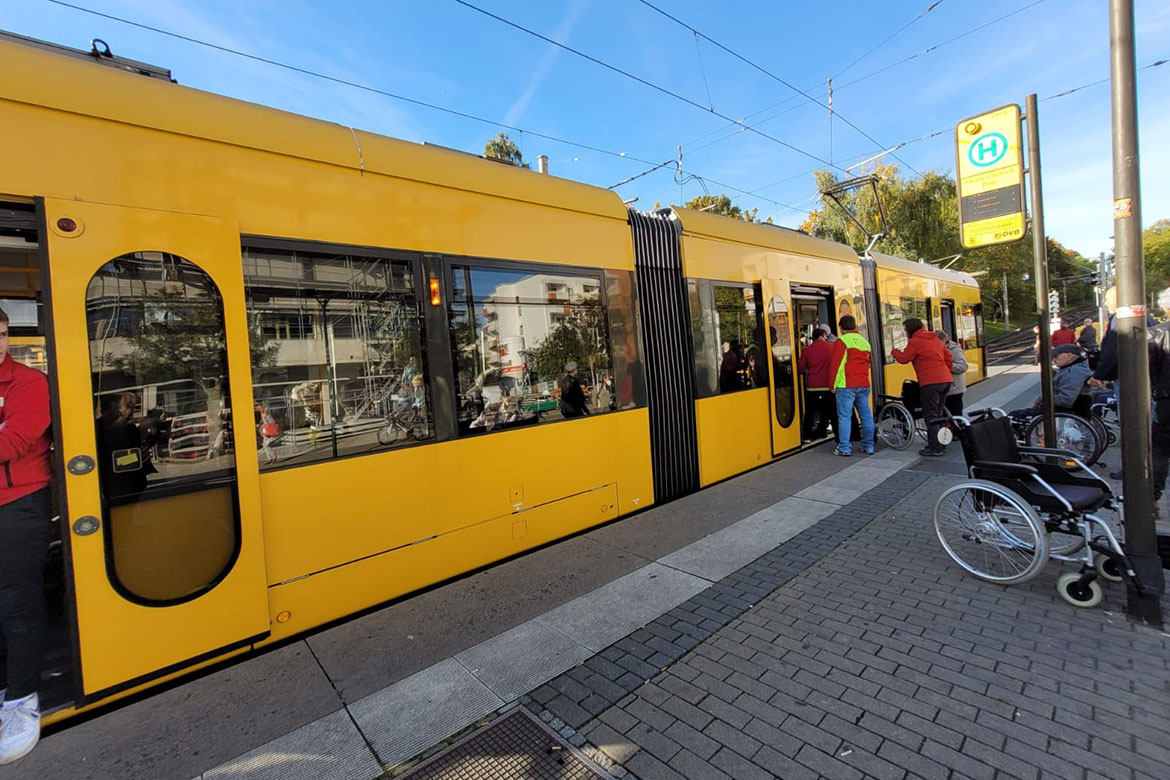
(516, 745)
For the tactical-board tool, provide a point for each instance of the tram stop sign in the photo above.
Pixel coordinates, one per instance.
(991, 178)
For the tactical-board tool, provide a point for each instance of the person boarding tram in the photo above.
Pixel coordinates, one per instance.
(932, 365)
(954, 402)
(25, 533)
(814, 362)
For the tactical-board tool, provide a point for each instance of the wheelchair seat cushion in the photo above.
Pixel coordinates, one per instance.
(1080, 496)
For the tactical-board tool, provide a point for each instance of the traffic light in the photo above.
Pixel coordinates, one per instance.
(1053, 300)
(1094, 278)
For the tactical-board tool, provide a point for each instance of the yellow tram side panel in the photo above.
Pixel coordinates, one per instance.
(966, 296)
(897, 279)
(99, 134)
(282, 175)
(732, 429)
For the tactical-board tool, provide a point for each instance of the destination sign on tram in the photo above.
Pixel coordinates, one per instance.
(990, 174)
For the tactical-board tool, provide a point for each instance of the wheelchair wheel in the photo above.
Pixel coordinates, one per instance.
(991, 532)
(1064, 544)
(1072, 433)
(1069, 586)
(1107, 567)
(1102, 435)
(895, 426)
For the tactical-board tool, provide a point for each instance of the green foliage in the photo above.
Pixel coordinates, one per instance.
(581, 338)
(923, 219)
(721, 204)
(504, 148)
(182, 337)
(1156, 248)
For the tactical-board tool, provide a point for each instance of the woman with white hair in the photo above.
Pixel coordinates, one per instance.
(954, 402)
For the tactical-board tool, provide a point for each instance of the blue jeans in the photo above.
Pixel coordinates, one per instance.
(848, 399)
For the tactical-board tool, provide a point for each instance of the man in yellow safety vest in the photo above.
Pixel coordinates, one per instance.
(850, 371)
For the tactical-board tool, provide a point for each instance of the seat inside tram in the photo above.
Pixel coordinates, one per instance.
(21, 291)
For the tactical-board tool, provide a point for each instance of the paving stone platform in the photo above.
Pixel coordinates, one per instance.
(877, 657)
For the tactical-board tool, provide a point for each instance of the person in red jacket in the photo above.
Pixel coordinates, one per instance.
(25, 530)
(1063, 335)
(814, 363)
(932, 365)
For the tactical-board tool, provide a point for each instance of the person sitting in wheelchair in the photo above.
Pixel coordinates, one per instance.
(1069, 384)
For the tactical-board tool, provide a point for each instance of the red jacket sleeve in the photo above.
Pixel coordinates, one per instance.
(26, 416)
(839, 350)
(906, 355)
(802, 361)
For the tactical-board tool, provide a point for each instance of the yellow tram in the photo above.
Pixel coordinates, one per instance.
(298, 370)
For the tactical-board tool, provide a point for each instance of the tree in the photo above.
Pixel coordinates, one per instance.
(1156, 248)
(581, 338)
(504, 148)
(923, 219)
(721, 204)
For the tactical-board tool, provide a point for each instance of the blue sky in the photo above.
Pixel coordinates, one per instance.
(444, 53)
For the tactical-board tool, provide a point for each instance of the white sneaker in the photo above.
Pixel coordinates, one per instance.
(22, 728)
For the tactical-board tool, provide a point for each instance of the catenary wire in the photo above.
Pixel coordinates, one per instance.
(890, 37)
(929, 50)
(385, 93)
(644, 82)
(774, 77)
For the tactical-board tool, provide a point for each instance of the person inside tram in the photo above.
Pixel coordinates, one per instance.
(572, 403)
(120, 460)
(731, 369)
(26, 531)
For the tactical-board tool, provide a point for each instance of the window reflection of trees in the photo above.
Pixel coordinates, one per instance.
(513, 332)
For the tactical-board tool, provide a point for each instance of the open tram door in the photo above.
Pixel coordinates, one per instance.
(785, 414)
(154, 429)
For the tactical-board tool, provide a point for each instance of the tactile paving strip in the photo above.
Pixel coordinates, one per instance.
(514, 746)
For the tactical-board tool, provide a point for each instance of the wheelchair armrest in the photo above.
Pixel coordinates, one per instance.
(1046, 451)
(1004, 469)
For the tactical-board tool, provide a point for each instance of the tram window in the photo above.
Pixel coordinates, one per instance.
(700, 301)
(509, 378)
(739, 327)
(895, 312)
(975, 312)
(629, 376)
(337, 353)
(164, 426)
(780, 331)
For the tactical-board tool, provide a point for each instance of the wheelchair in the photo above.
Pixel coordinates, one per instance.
(1077, 430)
(900, 417)
(1025, 505)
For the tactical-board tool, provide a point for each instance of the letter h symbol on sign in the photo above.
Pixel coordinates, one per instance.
(987, 148)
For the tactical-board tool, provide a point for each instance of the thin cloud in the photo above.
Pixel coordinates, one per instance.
(541, 71)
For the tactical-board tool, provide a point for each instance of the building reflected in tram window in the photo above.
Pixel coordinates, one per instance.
(338, 364)
(513, 331)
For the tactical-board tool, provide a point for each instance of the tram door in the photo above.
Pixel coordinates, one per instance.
(813, 307)
(782, 393)
(155, 430)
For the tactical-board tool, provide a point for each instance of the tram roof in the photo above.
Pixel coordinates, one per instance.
(893, 263)
(65, 83)
(761, 234)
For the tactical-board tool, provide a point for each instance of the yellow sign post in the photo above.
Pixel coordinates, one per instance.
(991, 178)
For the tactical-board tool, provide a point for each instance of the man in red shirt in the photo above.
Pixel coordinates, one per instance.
(1063, 335)
(25, 530)
(814, 363)
(932, 365)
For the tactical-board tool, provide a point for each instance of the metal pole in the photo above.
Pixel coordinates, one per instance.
(1102, 286)
(1133, 375)
(1040, 251)
(1006, 325)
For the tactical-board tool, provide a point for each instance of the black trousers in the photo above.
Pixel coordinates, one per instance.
(932, 398)
(954, 403)
(25, 531)
(820, 403)
(1161, 445)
